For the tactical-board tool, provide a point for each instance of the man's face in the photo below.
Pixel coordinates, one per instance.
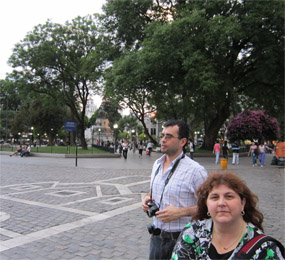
(170, 142)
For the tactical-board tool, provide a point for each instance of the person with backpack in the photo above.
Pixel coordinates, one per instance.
(227, 224)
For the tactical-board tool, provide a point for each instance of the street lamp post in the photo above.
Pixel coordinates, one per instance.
(115, 128)
(92, 133)
(99, 130)
(32, 129)
(7, 117)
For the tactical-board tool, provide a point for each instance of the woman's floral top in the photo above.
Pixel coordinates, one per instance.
(195, 240)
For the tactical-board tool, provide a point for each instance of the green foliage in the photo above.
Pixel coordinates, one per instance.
(127, 123)
(45, 115)
(63, 61)
(201, 62)
(111, 111)
(124, 135)
(93, 118)
(126, 85)
(125, 20)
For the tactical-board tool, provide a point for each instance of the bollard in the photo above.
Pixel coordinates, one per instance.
(224, 164)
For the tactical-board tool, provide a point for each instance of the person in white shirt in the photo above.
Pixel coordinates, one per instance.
(125, 146)
(149, 147)
(171, 200)
(191, 149)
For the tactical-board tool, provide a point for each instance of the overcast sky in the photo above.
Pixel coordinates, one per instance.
(18, 17)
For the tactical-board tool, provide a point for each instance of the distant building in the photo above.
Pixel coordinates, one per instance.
(90, 107)
(154, 126)
(101, 131)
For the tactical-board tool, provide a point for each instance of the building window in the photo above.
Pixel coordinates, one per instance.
(153, 131)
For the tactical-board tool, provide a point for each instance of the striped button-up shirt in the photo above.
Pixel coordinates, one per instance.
(180, 190)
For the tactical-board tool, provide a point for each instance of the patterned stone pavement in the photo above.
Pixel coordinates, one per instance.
(51, 209)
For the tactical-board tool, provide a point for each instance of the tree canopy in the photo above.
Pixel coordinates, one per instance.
(199, 61)
(202, 59)
(63, 61)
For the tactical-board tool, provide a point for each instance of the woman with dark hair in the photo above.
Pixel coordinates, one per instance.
(227, 219)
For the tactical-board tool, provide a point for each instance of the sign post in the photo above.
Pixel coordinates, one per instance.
(72, 126)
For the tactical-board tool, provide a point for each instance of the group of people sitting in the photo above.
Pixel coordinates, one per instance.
(22, 152)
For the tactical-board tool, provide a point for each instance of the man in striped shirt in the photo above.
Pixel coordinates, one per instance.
(174, 181)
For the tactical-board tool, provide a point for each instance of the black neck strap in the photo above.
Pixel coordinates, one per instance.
(168, 177)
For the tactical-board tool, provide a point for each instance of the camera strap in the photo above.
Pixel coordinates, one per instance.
(168, 177)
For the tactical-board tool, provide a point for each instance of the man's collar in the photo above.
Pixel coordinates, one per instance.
(162, 158)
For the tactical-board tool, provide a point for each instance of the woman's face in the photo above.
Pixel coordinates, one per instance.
(224, 204)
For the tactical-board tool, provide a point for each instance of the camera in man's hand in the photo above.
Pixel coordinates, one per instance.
(152, 209)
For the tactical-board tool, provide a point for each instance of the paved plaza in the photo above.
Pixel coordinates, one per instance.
(51, 209)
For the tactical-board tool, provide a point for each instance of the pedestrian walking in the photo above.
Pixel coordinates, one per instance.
(225, 148)
(149, 147)
(253, 152)
(140, 148)
(171, 200)
(235, 149)
(217, 150)
(125, 146)
(121, 147)
(191, 148)
(262, 153)
(227, 225)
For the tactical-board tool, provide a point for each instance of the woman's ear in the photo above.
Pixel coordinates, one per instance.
(243, 201)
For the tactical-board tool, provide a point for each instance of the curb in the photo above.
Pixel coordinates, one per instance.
(57, 155)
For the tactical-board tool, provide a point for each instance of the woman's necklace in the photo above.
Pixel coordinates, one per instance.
(239, 237)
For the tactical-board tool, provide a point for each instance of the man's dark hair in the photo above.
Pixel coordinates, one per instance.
(183, 128)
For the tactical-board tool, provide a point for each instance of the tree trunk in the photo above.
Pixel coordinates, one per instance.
(82, 138)
(141, 119)
(211, 132)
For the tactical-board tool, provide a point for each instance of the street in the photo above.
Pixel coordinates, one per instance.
(51, 209)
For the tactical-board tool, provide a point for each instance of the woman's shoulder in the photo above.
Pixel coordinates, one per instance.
(266, 248)
(270, 250)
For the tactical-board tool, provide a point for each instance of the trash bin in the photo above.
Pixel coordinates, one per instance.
(224, 164)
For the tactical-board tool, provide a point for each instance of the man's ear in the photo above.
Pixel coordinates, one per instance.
(183, 141)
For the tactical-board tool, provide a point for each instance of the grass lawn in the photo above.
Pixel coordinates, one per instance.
(58, 149)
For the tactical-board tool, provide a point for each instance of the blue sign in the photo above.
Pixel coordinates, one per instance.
(70, 125)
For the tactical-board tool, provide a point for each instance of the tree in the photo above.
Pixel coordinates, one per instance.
(46, 116)
(14, 106)
(63, 61)
(111, 110)
(125, 21)
(127, 124)
(203, 59)
(129, 89)
(253, 125)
